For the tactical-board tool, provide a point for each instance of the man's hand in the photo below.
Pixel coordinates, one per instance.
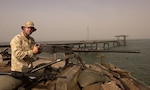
(36, 48)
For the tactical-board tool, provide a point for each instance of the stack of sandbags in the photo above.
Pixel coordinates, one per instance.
(107, 77)
(92, 80)
(68, 83)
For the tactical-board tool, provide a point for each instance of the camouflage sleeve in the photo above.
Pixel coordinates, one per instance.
(17, 49)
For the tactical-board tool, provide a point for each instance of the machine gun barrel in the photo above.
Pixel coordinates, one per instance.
(110, 51)
(69, 49)
(44, 66)
(51, 63)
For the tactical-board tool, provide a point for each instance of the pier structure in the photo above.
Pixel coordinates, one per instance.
(122, 39)
(84, 46)
(95, 44)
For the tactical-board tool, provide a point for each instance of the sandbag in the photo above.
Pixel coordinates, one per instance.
(9, 83)
(88, 76)
(69, 83)
(96, 86)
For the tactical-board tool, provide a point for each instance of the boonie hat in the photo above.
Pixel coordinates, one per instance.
(29, 24)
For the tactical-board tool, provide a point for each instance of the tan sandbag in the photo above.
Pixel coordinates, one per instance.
(51, 85)
(69, 83)
(96, 86)
(111, 86)
(9, 82)
(89, 76)
(128, 84)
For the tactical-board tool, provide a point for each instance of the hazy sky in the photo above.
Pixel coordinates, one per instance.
(72, 19)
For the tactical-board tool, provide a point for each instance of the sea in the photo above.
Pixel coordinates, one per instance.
(138, 64)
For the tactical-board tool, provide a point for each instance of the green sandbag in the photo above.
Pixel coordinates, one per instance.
(88, 76)
(9, 83)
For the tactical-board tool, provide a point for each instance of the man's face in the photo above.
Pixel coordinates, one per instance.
(28, 30)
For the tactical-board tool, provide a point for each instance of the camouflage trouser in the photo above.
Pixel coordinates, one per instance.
(9, 83)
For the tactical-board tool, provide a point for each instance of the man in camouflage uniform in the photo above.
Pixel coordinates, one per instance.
(23, 49)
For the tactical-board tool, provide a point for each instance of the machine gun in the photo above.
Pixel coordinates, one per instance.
(34, 76)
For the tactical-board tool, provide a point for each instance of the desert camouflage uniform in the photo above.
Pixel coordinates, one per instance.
(22, 55)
